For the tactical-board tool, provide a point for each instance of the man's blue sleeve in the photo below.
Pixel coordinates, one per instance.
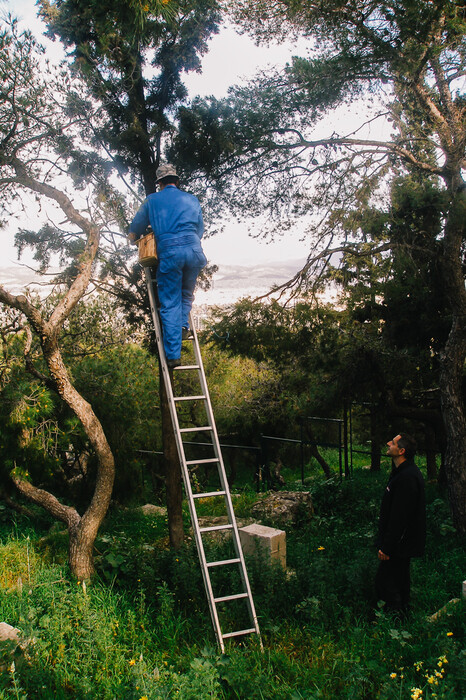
(141, 221)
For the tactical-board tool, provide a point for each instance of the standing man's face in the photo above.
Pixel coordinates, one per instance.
(393, 449)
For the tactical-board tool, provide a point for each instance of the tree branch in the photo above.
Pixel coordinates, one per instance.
(372, 144)
(66, 514)
(91, 231)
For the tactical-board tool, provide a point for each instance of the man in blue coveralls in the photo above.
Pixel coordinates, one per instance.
(176, 219)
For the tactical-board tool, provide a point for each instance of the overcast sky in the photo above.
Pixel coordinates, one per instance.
(232, 58)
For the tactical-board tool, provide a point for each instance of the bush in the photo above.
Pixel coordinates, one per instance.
(144, 629)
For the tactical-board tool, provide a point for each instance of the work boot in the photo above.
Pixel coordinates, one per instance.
(172, 363)
(186, 333)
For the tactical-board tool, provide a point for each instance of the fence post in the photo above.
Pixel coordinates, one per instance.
(301, 430)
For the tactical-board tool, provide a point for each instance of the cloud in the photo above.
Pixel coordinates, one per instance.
(16, 277)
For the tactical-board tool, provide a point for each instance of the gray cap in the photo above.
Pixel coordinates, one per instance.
(165, 170)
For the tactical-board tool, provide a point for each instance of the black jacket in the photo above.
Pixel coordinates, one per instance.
(402, 522)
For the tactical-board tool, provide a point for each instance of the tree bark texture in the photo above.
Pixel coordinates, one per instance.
(453, 359)
(452, 363)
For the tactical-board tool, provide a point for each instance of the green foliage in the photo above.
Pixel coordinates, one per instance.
(112, 45)
(40, 437)
(272, 331)
(246, 395)
(122, 384)
(299, 347)
(32, 438)
(149, 634)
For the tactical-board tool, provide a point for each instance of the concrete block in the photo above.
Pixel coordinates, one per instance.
(270, 542)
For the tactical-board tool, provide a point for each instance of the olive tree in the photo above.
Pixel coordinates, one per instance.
(39, 154)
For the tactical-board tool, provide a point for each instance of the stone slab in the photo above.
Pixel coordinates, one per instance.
(270, 542)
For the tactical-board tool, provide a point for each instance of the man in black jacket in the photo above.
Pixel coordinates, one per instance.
(402, 525)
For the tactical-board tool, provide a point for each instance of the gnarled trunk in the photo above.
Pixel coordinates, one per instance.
(82, 530)
(453, 358)
(452, 363)
(80, 551)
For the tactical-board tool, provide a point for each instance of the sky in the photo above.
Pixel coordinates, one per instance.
(232, 59)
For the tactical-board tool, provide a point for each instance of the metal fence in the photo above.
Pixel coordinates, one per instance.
(313, 433)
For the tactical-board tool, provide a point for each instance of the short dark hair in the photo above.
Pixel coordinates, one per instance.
(408, 443)
(170, 180)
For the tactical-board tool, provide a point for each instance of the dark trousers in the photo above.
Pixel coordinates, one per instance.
(393, 583)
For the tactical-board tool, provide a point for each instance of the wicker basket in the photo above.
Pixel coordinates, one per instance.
(147, 250)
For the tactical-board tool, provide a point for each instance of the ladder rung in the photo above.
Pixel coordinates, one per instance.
(212, 528)
(222, 562)
(186, 367)
(238, 633)
(195, 430)
(209, 494)
(211, 460)
(188, 398)
(226, 598)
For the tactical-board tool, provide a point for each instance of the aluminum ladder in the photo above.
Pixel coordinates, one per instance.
(207, 567)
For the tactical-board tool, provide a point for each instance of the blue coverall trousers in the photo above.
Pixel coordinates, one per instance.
(178, 268)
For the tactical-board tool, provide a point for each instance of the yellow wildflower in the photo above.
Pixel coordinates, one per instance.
(416, 693)
(449, 634)
(132, 662)
(320, 549)
(393, 675)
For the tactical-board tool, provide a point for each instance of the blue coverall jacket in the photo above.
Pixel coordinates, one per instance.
(176, 219)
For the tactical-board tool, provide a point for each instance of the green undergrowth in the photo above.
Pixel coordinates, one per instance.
(142, 628)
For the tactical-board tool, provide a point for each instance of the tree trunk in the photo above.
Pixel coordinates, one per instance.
(453, 358)
(173, 483)
(80, 552)
(82, 530)
(452, 363)
(314, 450)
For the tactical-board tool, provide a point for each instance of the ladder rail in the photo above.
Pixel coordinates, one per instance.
(225, 490)
(224, 482)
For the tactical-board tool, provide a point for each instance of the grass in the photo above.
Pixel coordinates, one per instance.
(142, 629)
